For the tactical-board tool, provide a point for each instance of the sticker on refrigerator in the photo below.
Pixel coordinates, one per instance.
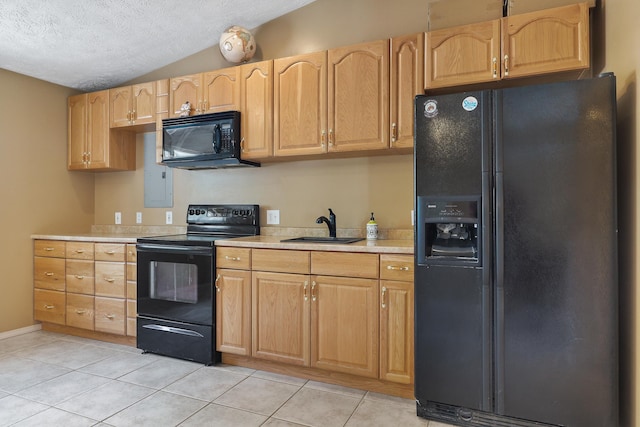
(470, 103)
(431, 108)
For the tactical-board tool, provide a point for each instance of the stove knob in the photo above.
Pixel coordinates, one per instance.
(235, 212)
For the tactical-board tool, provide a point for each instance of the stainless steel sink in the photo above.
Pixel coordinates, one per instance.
(343, 240)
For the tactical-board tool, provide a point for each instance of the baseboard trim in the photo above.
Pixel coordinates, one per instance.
(20, 331)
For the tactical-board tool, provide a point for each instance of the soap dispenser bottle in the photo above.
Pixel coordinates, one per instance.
(372, 228)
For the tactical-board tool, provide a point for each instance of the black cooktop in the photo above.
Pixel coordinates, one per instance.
(208, 223)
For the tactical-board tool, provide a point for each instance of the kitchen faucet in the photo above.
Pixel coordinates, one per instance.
(331, 222)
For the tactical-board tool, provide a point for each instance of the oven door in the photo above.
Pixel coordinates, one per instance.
(175, 282)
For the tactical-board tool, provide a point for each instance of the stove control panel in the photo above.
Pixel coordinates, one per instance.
(223, 214)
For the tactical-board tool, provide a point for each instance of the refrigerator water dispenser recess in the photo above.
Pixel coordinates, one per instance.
(448, 231)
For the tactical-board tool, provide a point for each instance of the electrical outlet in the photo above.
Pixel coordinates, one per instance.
(273, 217)
(118, 217)
(169, 217)
(413, 217)
(138, 217)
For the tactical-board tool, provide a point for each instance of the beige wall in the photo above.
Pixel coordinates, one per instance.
(301, 190)
(37, 192)
(619, 33)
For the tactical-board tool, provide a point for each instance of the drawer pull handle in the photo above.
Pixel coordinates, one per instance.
(49, 249)
(49, 307)
(79, 277)
(232, 258)
(110, 252)
(395, 267)
(81, 312)
(216, 283)
(79, 251)
(110, 316)
(48, 273)
(384, 293)
(109, 279)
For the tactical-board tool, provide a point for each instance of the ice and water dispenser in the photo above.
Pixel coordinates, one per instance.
(448, 231)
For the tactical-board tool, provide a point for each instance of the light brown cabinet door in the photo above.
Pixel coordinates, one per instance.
(396, 331)
(550, 40)
(406, 81)
(340, 301)
(463, 55)
(221, 90)
(98, 130)
(358, 97)
(183, 89)
(233, 311)
(300, 105)
(120, 106)
(143, 103)
(256, 106)
(77, 131)
(281, 317)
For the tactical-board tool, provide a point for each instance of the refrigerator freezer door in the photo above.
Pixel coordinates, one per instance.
(556, 354)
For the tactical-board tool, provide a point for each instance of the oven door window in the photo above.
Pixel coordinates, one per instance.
(176, 283)
(173, 281)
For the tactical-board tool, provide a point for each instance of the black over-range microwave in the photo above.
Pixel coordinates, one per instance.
(205, 141)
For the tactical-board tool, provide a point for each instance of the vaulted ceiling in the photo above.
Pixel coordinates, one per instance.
(95, 44)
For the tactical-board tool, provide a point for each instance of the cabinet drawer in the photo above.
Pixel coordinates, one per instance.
(110, 315)
(80, 278)
(345, 264)
(79, 250)
(80, 311)
(49, 306)
(283, 261)
(237, 258)
(396, 267)
(110, 252)
(132, 254)
(49, 248)
(110, 279)
(49, 273)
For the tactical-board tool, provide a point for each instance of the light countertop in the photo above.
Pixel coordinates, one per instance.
(90, 237)
(274, 242)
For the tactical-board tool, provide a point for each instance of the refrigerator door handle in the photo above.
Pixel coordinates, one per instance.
(499, 293)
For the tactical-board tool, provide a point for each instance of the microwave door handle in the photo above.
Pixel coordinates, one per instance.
(217, 139)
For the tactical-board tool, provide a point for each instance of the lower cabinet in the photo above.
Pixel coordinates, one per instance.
(344, 325)
(233, 311)
(86, 285)
(342, 312)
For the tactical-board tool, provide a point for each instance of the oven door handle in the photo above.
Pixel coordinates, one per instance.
(191, 250)
(180, 331)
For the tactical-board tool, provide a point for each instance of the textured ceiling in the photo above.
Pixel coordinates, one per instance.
(95, 44)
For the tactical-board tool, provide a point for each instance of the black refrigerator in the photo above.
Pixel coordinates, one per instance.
(516, 294)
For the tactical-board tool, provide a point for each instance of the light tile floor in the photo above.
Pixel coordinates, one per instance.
(49, 379)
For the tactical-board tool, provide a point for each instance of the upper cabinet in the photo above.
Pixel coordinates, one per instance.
(358, 97)
(208, 92)
(541, 42)
(132, 105)
(300, 105)
(256, 109)
(353, 98)
(92, 145)
(406, 81)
